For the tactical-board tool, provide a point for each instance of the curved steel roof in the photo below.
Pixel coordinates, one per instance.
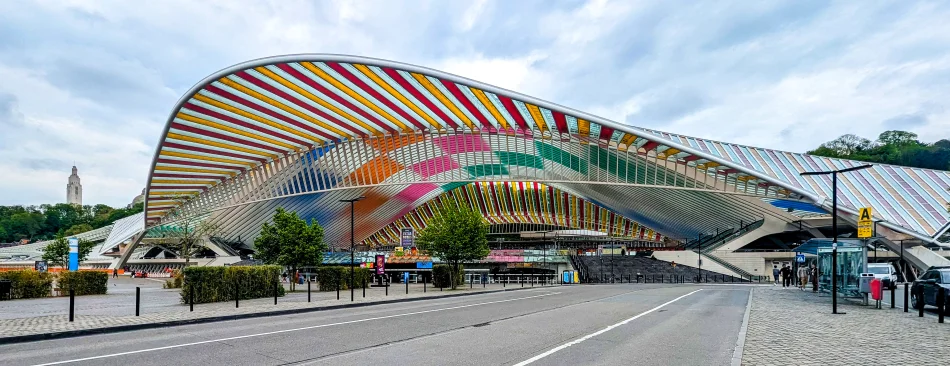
(252, 120)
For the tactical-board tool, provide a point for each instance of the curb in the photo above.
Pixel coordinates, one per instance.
(131, 327)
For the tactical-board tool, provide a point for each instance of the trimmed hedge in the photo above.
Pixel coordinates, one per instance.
(329, 277)
(29, 284)
(441, 273)
(84, 282)
(214, 284)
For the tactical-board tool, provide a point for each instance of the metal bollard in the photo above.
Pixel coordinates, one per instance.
(72, 304)
(364, 288)
(337, 288)
(484, 283)
(424, 285)
(407, 285)
(308, 291)
(941, 303)
(505, 282)
(893, 288)
(920, 302)
(237, 294)
(138, 299)
(275, 292)
(387, 286)
(905, 297)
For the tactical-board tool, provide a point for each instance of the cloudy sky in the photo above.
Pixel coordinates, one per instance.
(92, 82)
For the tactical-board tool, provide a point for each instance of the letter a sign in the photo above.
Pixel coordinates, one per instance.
(865, 223)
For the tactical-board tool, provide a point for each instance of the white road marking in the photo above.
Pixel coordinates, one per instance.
(599, 332)
(287, 330)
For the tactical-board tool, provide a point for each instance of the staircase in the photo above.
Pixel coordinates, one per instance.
(624, 268)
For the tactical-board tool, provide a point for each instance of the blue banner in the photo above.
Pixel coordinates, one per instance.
(424, 265)
(73, 254)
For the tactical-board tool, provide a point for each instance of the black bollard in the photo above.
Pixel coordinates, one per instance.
(920, 302)
(275, 292)
(521, 279)
(387, 286)
(471, 283)
(905, 297)
(72, 304)
(338, 288)
(308, 291)
(138, 299)
(941, 303)
(505, 282)
(364, 288)
(893, 288)
(424, 285)
(484, 283)
(237, 294)
(407, 285)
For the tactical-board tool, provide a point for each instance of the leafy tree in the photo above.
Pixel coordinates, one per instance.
(892, 147)
(290, 242)
(57, 252)
(186, 237)
(456, 234)
(77, 229)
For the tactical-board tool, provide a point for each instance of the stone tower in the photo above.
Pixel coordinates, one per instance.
(74, 189)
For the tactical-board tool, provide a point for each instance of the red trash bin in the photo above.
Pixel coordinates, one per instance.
(877, 289)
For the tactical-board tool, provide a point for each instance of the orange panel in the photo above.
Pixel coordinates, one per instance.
(387, 144)
(375, 171)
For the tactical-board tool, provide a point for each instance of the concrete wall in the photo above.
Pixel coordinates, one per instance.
(691, 258)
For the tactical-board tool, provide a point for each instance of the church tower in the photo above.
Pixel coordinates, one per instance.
(74, 189)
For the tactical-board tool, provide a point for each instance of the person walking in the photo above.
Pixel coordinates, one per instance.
(814, 278)
(115, 273)
(786, 276)
(775, 273)
(802, 277)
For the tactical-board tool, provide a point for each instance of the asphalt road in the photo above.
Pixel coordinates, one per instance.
(628, 324)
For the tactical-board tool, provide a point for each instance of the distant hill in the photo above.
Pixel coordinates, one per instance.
(46, 222)
(891, 147)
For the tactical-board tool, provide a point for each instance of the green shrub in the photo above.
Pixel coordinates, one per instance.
(329, 277)
(29, 284)
(441, 273)
(214, 284)
(84, 282)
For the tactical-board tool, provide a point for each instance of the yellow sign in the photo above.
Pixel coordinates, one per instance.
(865, 223)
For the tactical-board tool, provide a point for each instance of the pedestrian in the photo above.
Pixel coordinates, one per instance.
(802, 277)
(115, 273)
(786, 276)
(814, 278)
(775, 273)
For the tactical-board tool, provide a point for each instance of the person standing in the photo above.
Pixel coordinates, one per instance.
(115, 273)
(802, 277)
(814, 278)
(775, 273)
(786, 276)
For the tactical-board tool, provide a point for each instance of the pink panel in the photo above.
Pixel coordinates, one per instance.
(435, 166)
(461, 144)
(413, 193)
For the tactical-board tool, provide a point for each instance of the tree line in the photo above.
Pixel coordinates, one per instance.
(47, 222)
(891, 147)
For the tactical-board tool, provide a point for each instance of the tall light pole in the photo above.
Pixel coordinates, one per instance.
(352, 201)
(834, 229)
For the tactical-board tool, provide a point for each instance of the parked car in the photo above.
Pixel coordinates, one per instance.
(933, 279)
(884, 272)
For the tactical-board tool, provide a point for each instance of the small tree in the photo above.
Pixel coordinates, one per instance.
(57, 252)
(290, 242)
(186, 237)
(456, 234)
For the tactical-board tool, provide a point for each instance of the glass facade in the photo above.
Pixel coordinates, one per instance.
(852, 261)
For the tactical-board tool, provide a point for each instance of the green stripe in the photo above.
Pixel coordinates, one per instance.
(562, 157)
(519, 159)
(483, 170)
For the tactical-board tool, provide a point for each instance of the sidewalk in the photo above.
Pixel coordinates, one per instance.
(792, 327)
(99, 313)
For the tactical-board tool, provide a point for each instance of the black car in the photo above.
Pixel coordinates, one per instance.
(930, 282)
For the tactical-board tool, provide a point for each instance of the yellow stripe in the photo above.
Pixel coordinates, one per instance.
(336, 83)
(535, 113)
(182, 181)
(206, 158)
(218, 144)
(254, 117)
(629, 138)
(445, 101)
(392, 91)
(315, 98)
(281, 106)
(236, 131)
(173, 193)
(490, 106)
(583, 127)
(163, 168)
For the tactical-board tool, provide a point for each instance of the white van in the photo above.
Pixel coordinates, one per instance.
(885, 272)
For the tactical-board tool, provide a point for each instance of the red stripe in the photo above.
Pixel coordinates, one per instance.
(560, 121)
(195, 163)
(239, 141)
(605, 132)
(215, 152)
(355, 80)
(336, 97)
(649, 145)
(274, 134)
(513, 111)
(468, 104)
(415, 92)
(691, 158)
(261, 109)
(198, 187)
(261, 84)
(196, 176)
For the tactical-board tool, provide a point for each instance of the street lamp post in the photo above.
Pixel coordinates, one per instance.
(352, 201)
(834, 229)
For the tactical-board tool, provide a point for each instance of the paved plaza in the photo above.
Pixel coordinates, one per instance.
(50, 315)
(792, 327)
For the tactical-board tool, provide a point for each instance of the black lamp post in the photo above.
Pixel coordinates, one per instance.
(834, 229)
(352, 201)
